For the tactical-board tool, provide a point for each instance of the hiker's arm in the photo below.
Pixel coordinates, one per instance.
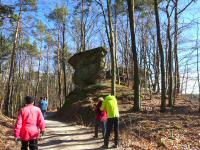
(18, 126)
(96, 109)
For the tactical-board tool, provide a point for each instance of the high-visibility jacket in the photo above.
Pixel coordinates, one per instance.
(110, 106)
(30, 122)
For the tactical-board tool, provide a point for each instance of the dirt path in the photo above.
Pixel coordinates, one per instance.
(61, 136)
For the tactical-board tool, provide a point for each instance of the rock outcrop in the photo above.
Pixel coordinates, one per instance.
(89, 66)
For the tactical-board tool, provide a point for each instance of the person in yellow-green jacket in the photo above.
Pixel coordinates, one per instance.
(111, 107)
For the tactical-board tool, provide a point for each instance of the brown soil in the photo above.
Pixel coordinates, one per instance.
(6, 133)
(178, 128)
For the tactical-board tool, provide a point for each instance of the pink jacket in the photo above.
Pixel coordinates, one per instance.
(100, 115)
(30, 123)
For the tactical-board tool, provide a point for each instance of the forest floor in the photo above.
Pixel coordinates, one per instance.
(58, 136)
(6, 133)
(176, 129)
(151, 130)
(72, 127)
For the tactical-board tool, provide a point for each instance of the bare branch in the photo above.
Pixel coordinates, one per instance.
(186, 6)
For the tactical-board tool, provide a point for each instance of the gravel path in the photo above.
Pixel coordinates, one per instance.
(61, 136)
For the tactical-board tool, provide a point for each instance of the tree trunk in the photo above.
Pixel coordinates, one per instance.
(30, 73)
(63, 64)
(10, 82)
(136, 87)
(38, 73)
(82, 28)
(47, 80)
(149, 72)
(156, 64)
(116, 48)
(198, 75)
(59, 73)
(143, 60)
(162, 63)
(166, 64)
(186, 78)
(126, 55)
(112, 50)
(183, 78)
(177, 76)
(110, 41)
(170, 61)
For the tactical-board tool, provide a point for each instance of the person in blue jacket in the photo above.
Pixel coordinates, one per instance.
(44, 105)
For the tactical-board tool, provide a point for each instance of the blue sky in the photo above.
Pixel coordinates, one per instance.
(188, 35)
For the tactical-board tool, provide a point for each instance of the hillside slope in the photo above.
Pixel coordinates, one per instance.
(6, 133)
(81, 103)
(178, 128)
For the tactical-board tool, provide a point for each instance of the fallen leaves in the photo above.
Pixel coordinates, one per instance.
(172, 131)
(6, 133)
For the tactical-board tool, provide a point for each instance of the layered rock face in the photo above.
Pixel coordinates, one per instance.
(89, 66)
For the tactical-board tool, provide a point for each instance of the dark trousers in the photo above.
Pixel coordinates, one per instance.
(101, 124)
(32, 144)
(109, 125)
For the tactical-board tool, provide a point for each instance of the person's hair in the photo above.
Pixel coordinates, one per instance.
(100, 99)
(29, 99)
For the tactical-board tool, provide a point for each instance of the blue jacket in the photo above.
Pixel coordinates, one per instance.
(43, 104)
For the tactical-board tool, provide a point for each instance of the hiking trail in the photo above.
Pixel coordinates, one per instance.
(63, 136)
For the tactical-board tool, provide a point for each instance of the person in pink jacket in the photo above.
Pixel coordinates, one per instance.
(29, 125)
(101, 118)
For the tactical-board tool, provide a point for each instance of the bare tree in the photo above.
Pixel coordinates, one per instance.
(59, 72)
(10, 82)
(162, 64)
(176, 37)
(170, 55)
(112, 50)
(137, 102)
(198, 75)
(109, 32)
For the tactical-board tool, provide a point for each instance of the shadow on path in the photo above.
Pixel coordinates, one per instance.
(68, 142)
(62, 136)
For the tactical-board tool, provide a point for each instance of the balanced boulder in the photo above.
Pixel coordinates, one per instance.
(89, 66)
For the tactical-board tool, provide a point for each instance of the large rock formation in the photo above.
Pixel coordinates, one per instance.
(89, 66)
